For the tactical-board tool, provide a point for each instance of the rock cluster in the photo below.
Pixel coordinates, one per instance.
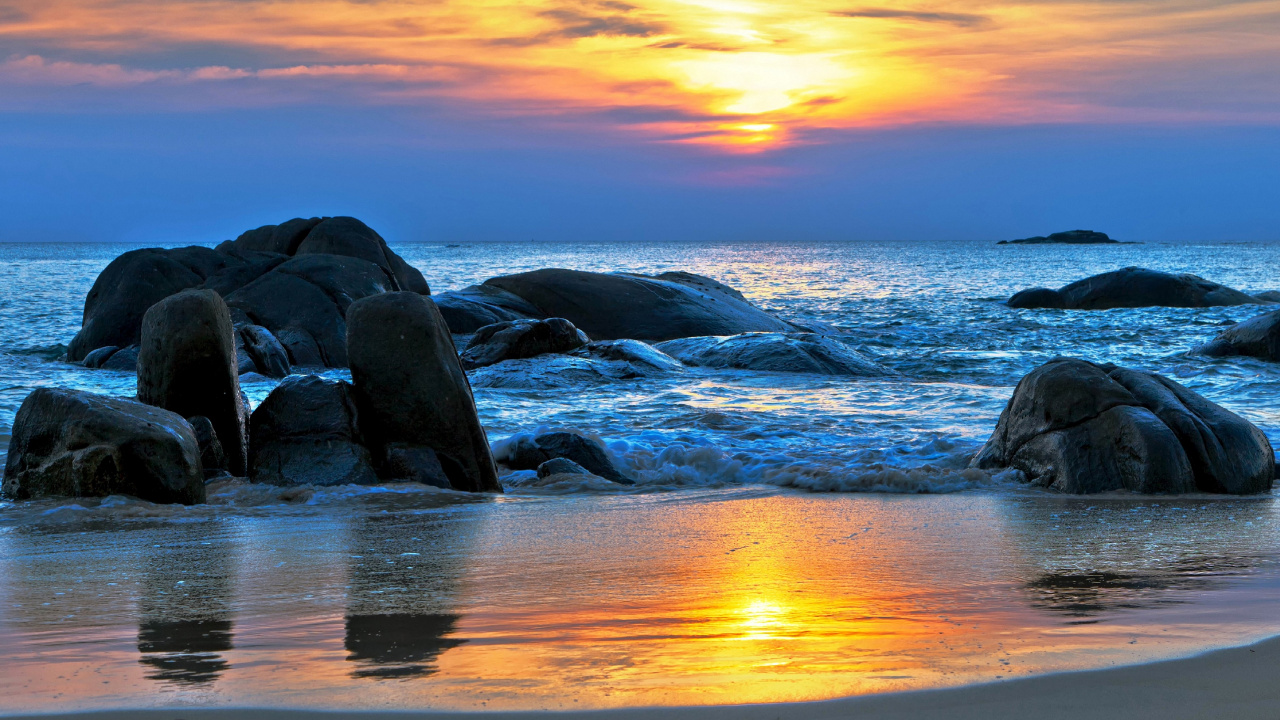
(516, 339)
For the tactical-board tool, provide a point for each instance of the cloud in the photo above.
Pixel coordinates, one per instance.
(951, 18)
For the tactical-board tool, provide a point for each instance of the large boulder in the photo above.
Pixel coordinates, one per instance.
(74, 443)
(524, 452)
(473, 307)
(187, 364)
(774, 352)
(1069, 237)
(305, 433)
(613, 306)
(1133, 287)
(1082, 427)
(412, 394)
(317, 267)
(1256, 337)
(515, 339)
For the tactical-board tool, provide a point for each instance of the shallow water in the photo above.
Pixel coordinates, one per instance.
(719, 577)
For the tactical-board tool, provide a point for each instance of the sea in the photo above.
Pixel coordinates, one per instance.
(789, 537)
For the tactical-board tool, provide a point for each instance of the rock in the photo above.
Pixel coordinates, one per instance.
(1070, 237)
(561, 371)
(125, 359)
(614, 306)
(96, 358)
(474, 307)
(560, 466)
(265, 351)
(642, 358)
(352, 238)
(1258, 337)
(410, 389)
(1271, 296)
(305, 433)
(212, 458)
(1132, 287)
(515, 339)
(283, 238)
(529, 453)
(187, 364)
(413, 463)
(774, 352)
(1081, 427)
(74, 443)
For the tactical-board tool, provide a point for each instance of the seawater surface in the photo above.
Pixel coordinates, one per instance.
(790, 537)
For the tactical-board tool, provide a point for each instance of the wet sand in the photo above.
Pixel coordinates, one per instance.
(1233, 684)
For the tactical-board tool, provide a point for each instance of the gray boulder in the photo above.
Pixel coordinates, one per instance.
(74, 443)
(305, 433)
(1256, 337)
(187, 364)
(515, 339)
(1081, 427)
(613, 306)
(527, 453)
(471, 308)
(411, 391)
(774, 352)
(1133, 287)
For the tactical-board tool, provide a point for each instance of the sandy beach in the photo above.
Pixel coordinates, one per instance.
(1233, 684)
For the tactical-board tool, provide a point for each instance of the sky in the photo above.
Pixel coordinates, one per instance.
(607, 120)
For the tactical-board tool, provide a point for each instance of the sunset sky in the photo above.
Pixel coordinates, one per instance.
(183, 120)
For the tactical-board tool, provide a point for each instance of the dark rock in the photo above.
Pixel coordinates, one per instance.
(125, 359)
(352, 238)
(560, 466)
(1070, 237)
(187, 364)
(471, 308)
(1271, 296)
(265, 351)
(410, 389)
(244, 363)
(515, 339)
(526, 453)
(774, 352)
(96, 358)
(413, 463)
(641, 357)
(1132, 287)
(283, 238)
(212, 458)
(609, 307)
(305, 433)
(69, 442)
(1081, 427)
(1256, 337)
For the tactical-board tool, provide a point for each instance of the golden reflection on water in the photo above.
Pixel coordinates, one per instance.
(700, 598)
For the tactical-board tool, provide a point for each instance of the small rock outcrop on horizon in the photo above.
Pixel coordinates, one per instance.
(517, 339)
(531, 453)
(78, 444)
(305, 433)
(187, 364)
(611, 306)
(294, 280)
(1082, 427)
(1133, 287)
(1070, 237)
(415, 408)
(1256, 337)
(794, 352)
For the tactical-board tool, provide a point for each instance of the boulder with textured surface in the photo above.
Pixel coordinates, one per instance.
(471, 308)
(187, 364)
(305, 433)
(516, 339)
(529, 453)
(774, 352)
(1133, 287)
(411, 391)
(1256, 337)
(74, 443)
(1082, 427)
(614, 306)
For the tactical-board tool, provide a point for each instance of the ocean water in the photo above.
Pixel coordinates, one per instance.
(790, 536)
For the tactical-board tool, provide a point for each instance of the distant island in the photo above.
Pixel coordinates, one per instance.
(1070, 237)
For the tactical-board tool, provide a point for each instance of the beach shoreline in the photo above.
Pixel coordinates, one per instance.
(1235, 683)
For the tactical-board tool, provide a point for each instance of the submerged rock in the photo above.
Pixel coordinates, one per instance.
(74, 443)
(640, 358)
(1081, 427)
(295, 279)
(411, 391)
(614, 306)
(516, 339)
(1070, 237)
(1133, 287)
(530, 453)
(1256, 337)
(578, 370)
(305, 433)
(774, 352)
